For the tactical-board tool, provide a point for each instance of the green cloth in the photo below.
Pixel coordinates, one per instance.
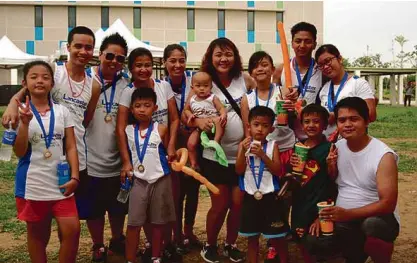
(319, 188)
(219, 154)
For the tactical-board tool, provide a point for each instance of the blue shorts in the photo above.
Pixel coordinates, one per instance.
(95, 196)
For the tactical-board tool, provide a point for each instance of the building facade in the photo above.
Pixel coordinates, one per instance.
(39, 27)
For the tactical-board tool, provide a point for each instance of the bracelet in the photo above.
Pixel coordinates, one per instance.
(76, 179)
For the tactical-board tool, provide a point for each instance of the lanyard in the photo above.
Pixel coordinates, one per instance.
(331, 98)
(302, 87)
(108, 104)
(261, 168)
(48, 138)
(183, 87)
(271, 87)
(141, 154)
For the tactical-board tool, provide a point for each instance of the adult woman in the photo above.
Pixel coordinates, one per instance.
(222, 61)
(185, 187)
(341, 85)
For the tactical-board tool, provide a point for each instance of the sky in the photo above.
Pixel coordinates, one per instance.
(352, 25)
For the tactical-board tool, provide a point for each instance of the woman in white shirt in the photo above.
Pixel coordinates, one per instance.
(340, 86)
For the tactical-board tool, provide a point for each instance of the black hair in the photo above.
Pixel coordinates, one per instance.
(329, 48)
(354, 103)
(31, 64)
(304, 26)
(82, 30)
(256, 58)
(138, 52)
(114, 39)
(143, 93)
(261, 111)
(168, 51)
(316, 109)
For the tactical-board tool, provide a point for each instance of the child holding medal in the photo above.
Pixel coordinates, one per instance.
(39, 146)
(151, 194)
(261, 211)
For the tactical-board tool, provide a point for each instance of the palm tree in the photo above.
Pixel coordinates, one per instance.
(401, 41)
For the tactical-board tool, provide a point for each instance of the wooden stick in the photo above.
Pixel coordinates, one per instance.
(285, 55)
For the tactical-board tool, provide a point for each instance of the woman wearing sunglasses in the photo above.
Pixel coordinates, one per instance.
(104, 162)
(340, 86)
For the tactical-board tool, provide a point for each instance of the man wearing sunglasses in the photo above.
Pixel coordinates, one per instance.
(104, 163)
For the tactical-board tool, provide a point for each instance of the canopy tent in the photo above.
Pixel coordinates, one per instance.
(132, 42)
(11, 56)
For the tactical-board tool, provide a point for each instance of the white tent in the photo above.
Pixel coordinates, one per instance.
(12, 56)
(132, 42)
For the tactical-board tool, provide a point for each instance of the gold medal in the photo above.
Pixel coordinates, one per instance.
(258, 195)
(141, 168)
(47, 154)
(108, 118)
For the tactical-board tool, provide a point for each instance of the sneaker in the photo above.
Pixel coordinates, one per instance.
(156, 260)
(272, 256)
(117, 246)
(146, 256)
(194, 243)
(234, 254)
(99, 253)
(170, 254)
(209, 254)
(184, 247)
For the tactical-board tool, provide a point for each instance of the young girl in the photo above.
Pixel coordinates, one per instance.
(203, 104)
(39, 146)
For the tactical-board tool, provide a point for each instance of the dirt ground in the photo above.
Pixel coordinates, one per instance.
(405, 245)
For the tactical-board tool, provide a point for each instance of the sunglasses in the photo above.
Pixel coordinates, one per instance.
(111, 56)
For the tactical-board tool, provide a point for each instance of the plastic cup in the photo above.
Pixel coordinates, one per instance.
(282, 114)
(302, 151)
(326, 226)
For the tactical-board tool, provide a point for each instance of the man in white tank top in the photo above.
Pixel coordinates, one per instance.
(305, 76)
(365, 214)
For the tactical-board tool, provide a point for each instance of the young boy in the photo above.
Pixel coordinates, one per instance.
(151, 194)
(259, 162)
(203, 104)
(317, 185)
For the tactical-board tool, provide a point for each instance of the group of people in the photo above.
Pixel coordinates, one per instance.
(113, 128)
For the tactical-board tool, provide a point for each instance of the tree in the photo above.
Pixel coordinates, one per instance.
(371, 61)
(401, 40)
(412, 57)
(346, 63)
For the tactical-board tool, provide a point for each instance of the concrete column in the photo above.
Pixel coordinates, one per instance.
(372, 82)
(381, 89)
(358, 73)
(13, 76)
(392, 91)
(401, 89)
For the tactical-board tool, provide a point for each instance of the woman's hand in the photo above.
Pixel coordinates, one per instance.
(315, 228)
(204, 124)
(69, 187)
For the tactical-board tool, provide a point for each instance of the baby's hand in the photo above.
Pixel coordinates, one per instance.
(223, 119)
(192, 117)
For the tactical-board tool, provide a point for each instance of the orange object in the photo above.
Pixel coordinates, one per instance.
(177, 166)
(285, 55)
(326, 226)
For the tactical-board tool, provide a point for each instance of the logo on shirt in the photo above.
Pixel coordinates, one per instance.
(310, 170)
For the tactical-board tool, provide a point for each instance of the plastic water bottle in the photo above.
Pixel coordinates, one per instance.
(63, 170)
(124, 191)
(6, 149)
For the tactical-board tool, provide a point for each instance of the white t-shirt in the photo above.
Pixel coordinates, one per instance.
(354, 87)
(357, 174)
(283, 135)
(269, 183)
(75, 96)
(163, 92)
(203, 108)
(187, 84)
(233, 133)
(154, 161)
(36, 177)
(103, 153)
(312, 91)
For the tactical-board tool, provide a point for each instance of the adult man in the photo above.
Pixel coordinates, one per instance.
(365, 214)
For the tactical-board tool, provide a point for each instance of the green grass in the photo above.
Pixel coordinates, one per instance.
(395, 122)
(407, 164)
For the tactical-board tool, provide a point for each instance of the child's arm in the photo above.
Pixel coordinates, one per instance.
(122, 119)
(22, 139)
(332, 162)
(244, 109)
(221, 110)
(240, 166)
(91, 108)
(174, 124)
(72, 158)
(273, 165)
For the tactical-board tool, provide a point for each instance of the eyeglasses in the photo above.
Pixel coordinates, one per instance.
(326, 62)
(110, 56)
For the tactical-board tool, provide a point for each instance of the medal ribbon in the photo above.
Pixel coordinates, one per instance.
(271, 87)
(141, 154)
(331, 98)
(108, 104)
(261, 168)
(303, 87)
(48, 138)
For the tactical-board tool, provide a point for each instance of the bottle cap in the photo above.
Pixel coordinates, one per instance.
(63, 158)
